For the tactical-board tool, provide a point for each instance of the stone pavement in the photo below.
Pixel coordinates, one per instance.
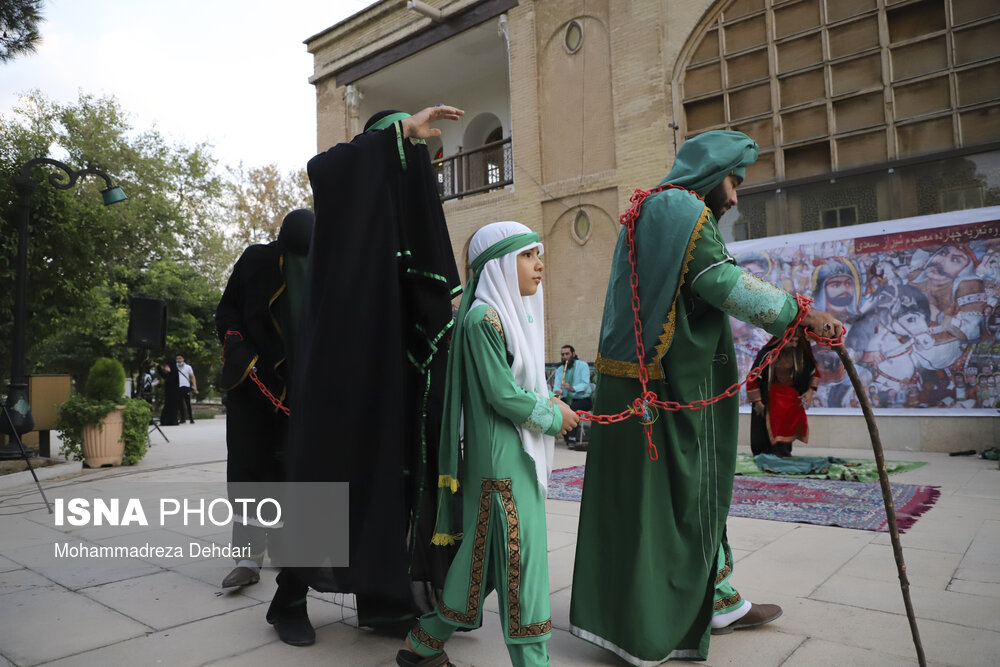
(838, 586)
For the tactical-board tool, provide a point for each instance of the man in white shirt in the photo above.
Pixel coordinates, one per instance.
(187, 383)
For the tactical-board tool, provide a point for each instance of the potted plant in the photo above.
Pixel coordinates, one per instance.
(99, 425)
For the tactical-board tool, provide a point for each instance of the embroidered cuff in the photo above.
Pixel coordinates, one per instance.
(755, 301)
(541, 417)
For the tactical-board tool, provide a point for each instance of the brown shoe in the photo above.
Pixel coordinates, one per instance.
(759, 614)
(240, 576)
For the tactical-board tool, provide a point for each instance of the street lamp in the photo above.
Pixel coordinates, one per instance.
(17, 405)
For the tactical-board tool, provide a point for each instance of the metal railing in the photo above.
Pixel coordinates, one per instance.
(488, 167)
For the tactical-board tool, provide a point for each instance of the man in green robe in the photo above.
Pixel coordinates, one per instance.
(651, 577)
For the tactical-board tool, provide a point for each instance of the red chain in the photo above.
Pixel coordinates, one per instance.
(271, 397)
(647, 399)
(275, 401)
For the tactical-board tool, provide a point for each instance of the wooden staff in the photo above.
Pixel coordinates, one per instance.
(890, 512)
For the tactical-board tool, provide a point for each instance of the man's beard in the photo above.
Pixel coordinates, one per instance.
(714, 201)
(840, 300)
(714, 204)
(935, 270)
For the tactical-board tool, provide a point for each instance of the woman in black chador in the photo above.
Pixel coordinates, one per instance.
(171, 392)
(257, 320)
(374, 333)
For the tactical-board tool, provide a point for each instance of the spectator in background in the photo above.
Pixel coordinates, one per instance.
(572, 384)
(186, 384)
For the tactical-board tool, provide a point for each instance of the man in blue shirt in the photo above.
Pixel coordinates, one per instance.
(572, 385)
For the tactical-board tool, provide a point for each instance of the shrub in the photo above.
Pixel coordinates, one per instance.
(103, 392)
(106, 381)
(135, 432)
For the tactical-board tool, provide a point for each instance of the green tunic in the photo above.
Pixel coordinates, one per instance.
(650, 533)
(504, 542)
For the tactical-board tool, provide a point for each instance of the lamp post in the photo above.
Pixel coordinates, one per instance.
(17, 392)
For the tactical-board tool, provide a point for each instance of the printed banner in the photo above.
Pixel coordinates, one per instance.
(920, 298)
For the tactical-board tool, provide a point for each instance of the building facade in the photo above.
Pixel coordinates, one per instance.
(865, 111)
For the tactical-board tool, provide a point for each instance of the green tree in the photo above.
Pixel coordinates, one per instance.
(261, 197)
(19, 21)
(86, 261)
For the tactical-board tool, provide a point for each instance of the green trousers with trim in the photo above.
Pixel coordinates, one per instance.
(521, 655)
(727, 598)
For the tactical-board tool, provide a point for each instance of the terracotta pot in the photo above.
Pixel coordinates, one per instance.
(104, 446)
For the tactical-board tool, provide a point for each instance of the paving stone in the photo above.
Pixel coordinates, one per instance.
(165, 599)
(82, 572)
(768, 645)
(77, 624)
(793, 565)
(979, 563)
(930, 569)
(12, 581)
(855, 626)
(557, 539)
(7, 564)
(753, 534)
(819, 653)
(974, 611)
(561, 567)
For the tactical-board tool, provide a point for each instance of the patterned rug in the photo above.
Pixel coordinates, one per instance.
(824, 502)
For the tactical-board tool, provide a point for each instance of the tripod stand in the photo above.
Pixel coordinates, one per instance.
(24, 452)
(154, 425)
(146, 393)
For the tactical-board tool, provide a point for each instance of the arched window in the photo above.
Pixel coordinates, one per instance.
(487, 161)
(493, 158)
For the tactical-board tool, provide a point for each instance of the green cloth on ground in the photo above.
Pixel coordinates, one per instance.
(852, 470)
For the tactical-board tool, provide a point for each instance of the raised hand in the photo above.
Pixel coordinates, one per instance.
(419, 124)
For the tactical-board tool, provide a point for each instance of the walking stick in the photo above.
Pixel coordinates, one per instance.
(890, 512)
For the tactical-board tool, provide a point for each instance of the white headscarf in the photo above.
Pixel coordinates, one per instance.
(523, 326)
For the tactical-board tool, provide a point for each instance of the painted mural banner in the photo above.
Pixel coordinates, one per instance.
(920, 298)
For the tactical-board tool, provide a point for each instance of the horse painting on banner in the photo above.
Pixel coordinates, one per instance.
(897, 322)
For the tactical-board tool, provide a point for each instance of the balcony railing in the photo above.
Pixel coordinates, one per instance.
(488, 167)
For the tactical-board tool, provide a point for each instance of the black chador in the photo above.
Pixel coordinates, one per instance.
(256, 322)
(171, 392)
(374, 333)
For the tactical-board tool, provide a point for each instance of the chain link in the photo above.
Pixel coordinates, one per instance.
(647, 399)
(275, 401)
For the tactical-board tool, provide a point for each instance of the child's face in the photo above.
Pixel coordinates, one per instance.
(529, 271)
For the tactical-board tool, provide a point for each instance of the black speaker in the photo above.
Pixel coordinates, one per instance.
(147, 323)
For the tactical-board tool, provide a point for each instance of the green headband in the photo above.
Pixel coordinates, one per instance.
(501, 248)
(386, 121)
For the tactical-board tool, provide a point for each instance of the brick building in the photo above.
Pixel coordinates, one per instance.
(865, 111)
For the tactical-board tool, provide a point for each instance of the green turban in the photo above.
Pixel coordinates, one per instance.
(705, 160)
